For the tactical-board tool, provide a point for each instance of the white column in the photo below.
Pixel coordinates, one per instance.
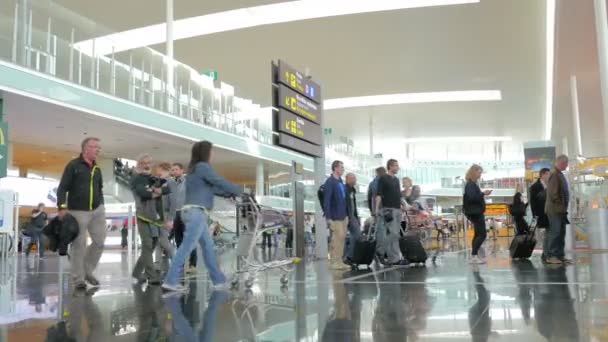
(259, 179)
(169, 51)
(576, 118)
(371, 134)
(601, 27)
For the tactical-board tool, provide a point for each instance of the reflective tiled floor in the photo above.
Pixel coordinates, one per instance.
(446, 301)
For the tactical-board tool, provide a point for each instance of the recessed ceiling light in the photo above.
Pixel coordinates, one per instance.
(283, 12)
(431, 97)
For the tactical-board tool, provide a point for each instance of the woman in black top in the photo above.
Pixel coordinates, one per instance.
(474, 207)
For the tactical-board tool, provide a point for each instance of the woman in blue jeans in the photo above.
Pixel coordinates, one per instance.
(202, 184)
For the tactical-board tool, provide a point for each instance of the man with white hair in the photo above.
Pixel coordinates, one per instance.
(145, 191)
(556, 207)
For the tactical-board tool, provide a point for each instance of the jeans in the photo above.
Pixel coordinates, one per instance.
(479, 225)
(196, 231)
(387, 236)
(354, 231)
(36, 239)
(555, 238)
(178, 229)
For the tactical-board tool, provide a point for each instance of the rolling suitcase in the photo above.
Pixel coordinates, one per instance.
(412, 249)
(523, 245)
(363, 252)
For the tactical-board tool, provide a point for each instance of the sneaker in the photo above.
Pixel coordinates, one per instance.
(554, 261)
(80, 286)
(340, 266)
(475, 260)
(401, 262)
(191, 270)
(225, 286)
(92, 280)
(567, 261)
(174, 288)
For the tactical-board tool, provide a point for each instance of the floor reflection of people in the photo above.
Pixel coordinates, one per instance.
(183, 329)
(390, 322)
(151, 313)
(553, 306)
(418, 301)
(526, 277)
(340, 325)
(480, 321)
(35, 282)
(81, 307)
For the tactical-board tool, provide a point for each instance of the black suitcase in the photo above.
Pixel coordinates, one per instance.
(412, 249)
(364, 252)
(522, 246)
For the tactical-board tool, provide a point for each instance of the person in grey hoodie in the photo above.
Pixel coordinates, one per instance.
(149, 220)
(177, 197)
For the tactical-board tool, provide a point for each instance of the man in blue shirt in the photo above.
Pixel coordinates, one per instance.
(334, 207)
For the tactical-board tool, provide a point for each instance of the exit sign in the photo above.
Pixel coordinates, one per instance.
(211, 74)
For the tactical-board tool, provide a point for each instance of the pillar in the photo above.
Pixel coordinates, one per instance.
(371, 134)
(576, 118)
(259, 179)
(601, 28)
(169, 51)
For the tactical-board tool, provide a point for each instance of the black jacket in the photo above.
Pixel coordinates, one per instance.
(538, 196)
(81, 186)
(352, 212)
(473, 202)
(61, 232)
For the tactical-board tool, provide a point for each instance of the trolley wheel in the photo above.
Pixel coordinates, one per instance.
(248, 283)
(284, 280)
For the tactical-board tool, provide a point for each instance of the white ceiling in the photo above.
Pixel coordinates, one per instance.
(495, 44)
(576, 54)
(48, 126)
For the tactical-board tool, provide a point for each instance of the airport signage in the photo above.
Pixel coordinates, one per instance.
(298, 104)
(298, 127)
(298, 82)
(299, 145)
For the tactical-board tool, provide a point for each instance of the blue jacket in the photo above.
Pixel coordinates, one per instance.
(334, 199)
(204, 184)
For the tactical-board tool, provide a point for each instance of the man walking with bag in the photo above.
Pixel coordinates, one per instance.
(83, 182)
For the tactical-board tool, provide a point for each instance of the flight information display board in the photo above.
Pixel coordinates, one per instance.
(298, 127)
(298, 82)
(297, 117)
(299, 104)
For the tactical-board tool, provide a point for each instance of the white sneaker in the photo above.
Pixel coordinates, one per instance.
(221, 287)
(174, 288)
(190, 270)
(475, 260)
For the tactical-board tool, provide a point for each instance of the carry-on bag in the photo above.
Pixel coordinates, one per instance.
(522, 246)
(363, 252)
(412, 249)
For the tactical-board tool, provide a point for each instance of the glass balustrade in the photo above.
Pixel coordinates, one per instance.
(54, 40)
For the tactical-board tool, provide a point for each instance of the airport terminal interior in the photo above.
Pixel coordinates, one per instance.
(303, 170)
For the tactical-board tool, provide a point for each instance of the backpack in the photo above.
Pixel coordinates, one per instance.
(321, 194)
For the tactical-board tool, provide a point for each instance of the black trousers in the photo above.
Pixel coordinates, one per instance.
(179, 228)
(479, 225)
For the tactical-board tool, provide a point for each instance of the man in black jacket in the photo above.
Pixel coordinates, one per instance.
(538, 197)
(354, 223)
(83, 182)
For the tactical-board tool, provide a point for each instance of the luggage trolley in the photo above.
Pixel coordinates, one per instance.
(259, 219)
